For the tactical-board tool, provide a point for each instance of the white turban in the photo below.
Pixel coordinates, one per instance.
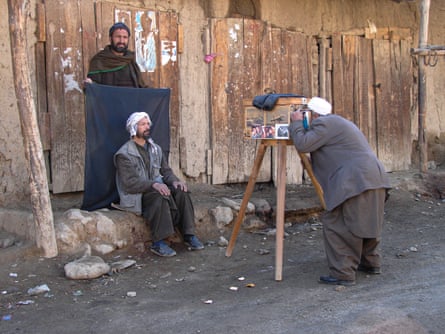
(320, 106)
(133, 120)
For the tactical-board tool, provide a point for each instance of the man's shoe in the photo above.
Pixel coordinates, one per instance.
(335, 281)
(193, 242)
(162, 249)
(369, 270)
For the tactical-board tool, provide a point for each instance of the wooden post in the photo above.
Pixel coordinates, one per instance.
(281, 195)
(423, 40)
(40, 199)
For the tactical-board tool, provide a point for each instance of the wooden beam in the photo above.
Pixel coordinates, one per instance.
(423, 40)
(40, 199)
(428, 51)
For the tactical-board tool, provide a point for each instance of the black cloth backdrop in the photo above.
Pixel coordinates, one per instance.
(107, 111)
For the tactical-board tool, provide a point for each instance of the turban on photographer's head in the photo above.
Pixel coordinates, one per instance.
(320, 106)
(133, 120)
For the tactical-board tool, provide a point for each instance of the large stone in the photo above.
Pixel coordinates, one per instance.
(87, 267)
(6, 239)
(262, 207)
(252, 222)
(103, 230)
(236, 204)
(222, 216)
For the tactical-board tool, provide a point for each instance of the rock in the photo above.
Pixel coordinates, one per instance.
(86, 268)
(104, 248)
(106, 229)
(262, 251)
(38, 290)
(254, 223)
(222, 216)
(121, 265)
(236, 204)
(222, 242)
(7, 240)
(103, 230)
(262, 207)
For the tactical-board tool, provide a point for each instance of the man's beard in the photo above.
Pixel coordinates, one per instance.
(120, 49)
(144, 135)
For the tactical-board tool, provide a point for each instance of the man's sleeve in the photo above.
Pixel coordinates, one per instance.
(131, 182)
(167, 173)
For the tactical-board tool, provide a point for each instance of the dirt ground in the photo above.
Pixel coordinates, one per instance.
(207, 292)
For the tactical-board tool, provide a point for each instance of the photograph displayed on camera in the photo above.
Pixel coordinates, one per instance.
(271, 124)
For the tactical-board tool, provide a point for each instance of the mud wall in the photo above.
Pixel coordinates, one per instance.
(311, 17)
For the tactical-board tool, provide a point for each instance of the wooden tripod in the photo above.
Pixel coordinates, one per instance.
(281, 193)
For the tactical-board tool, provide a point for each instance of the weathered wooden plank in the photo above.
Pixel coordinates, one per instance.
(42, 105)
(349, 60)
(235, 112)
(266, 59)
(169, 74)
(392, 68)
(65, 96)
(235, 75)
(385, 113)
(219, 121)
(278, 65)
(105, 18)
(89, 36)
(365, 97)
(251, 86)
(337, 76)
(41, 27)
(299, 78)
(401, 83)
(329, 68)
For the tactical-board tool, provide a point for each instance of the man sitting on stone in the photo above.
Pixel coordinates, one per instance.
(148, 186)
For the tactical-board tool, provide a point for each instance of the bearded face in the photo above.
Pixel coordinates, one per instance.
(119, 41)
(143, 129)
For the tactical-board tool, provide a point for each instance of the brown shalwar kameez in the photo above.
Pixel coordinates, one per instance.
(354, 182)
(356, 223)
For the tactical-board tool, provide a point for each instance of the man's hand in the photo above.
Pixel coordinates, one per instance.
(296, 115)
(161, 188)
(181, 185)
(86, 82)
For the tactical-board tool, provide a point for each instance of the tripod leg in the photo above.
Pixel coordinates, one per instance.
(247, 194)
(281, 194)
(314, 180)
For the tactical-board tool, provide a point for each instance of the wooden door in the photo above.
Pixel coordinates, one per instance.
(372, 86)
(252, 56)
(75, 31)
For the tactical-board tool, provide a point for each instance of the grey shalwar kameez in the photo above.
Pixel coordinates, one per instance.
(354, 183)
(137, 169)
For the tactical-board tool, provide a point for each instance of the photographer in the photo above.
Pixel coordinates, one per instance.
(354, 183)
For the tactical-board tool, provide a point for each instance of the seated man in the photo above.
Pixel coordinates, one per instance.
(148, 186)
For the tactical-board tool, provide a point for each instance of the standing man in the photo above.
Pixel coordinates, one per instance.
(355, 185)
(115, 65)
(148, 186)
